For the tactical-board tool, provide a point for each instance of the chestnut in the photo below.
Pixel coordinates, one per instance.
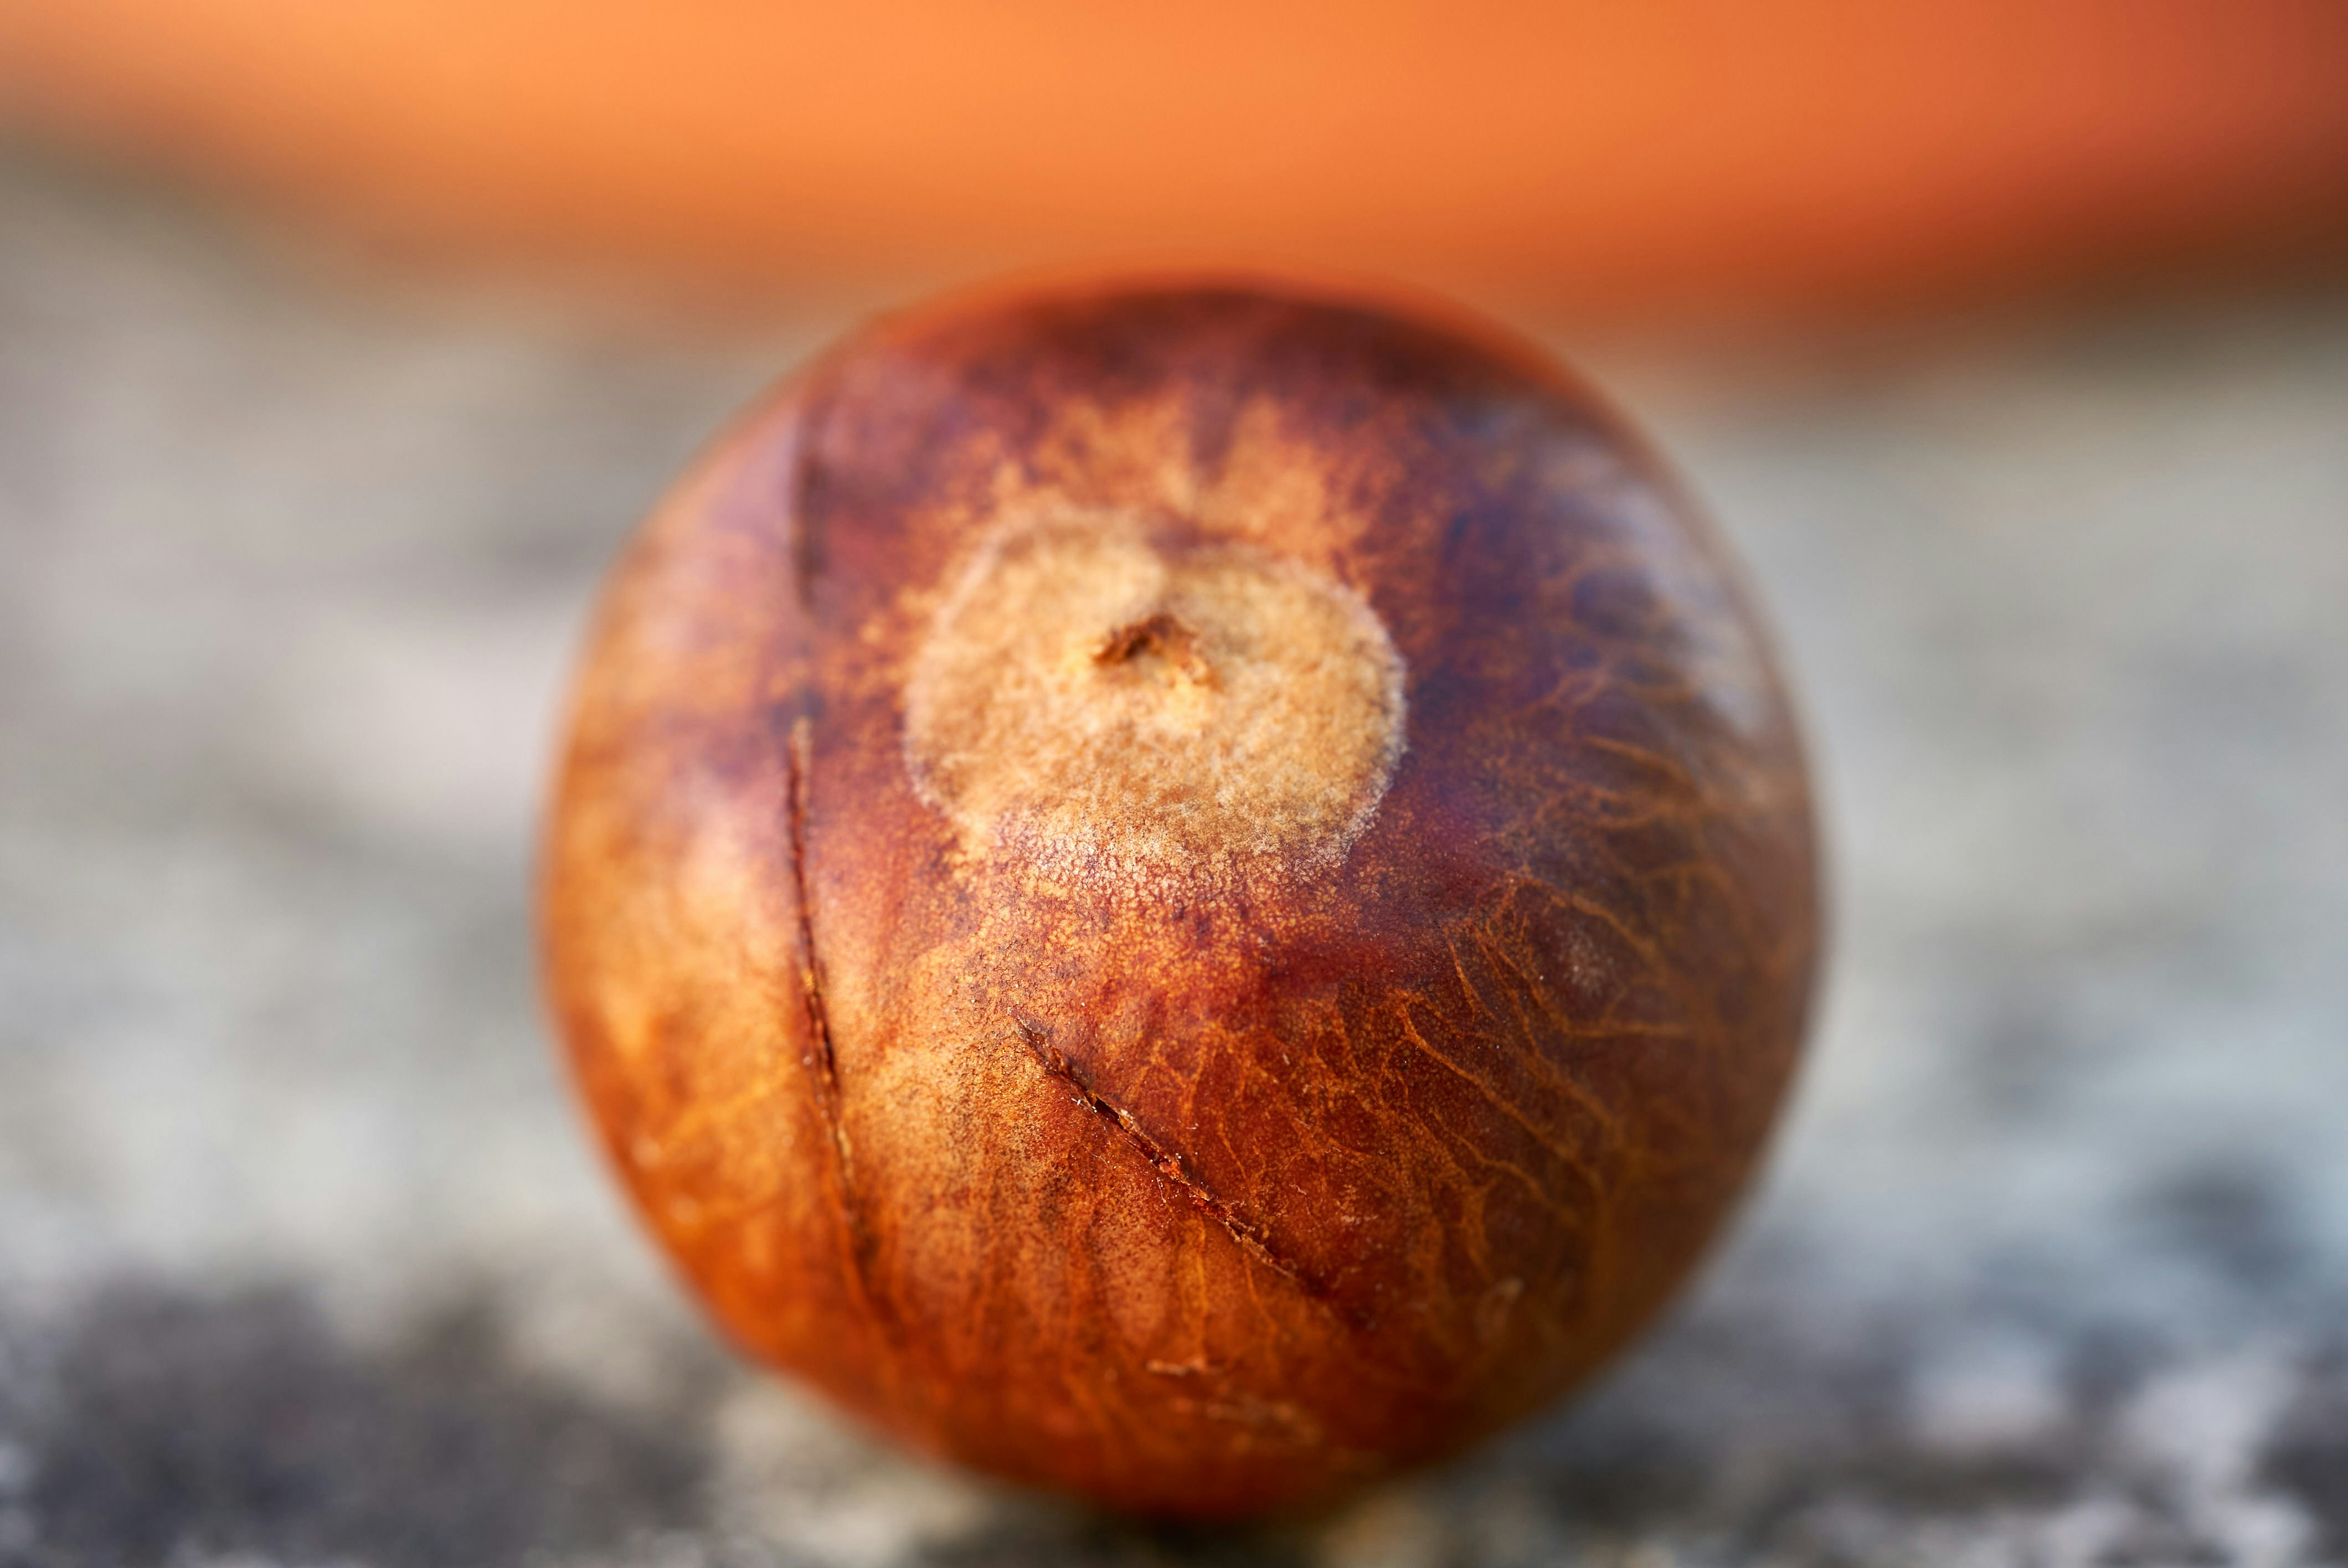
(1188, 891)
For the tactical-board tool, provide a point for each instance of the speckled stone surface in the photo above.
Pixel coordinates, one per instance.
(303, 1259)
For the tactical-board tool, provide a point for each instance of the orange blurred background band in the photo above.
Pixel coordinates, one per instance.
(1585, 152)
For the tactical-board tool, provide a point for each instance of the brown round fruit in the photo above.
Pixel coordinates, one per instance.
(1185, 892)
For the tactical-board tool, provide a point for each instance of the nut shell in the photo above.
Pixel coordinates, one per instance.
(1105, 1074)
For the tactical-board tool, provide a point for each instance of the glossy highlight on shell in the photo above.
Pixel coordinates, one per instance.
(1192, 892)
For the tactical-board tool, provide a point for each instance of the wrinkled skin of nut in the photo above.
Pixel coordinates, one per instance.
(1182, 893)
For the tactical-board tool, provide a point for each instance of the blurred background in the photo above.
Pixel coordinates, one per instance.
(340, 346)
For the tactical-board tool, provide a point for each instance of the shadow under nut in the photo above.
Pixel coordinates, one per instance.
(1185, 892)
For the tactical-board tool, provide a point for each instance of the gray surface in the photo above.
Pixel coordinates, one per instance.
(303, 1259)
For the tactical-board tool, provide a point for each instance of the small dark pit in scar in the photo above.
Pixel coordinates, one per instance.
(1161, 635)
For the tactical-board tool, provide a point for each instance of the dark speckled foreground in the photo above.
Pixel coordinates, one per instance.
(1199, 1195)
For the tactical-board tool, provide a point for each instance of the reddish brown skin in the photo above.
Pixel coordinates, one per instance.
(1201, 1204)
